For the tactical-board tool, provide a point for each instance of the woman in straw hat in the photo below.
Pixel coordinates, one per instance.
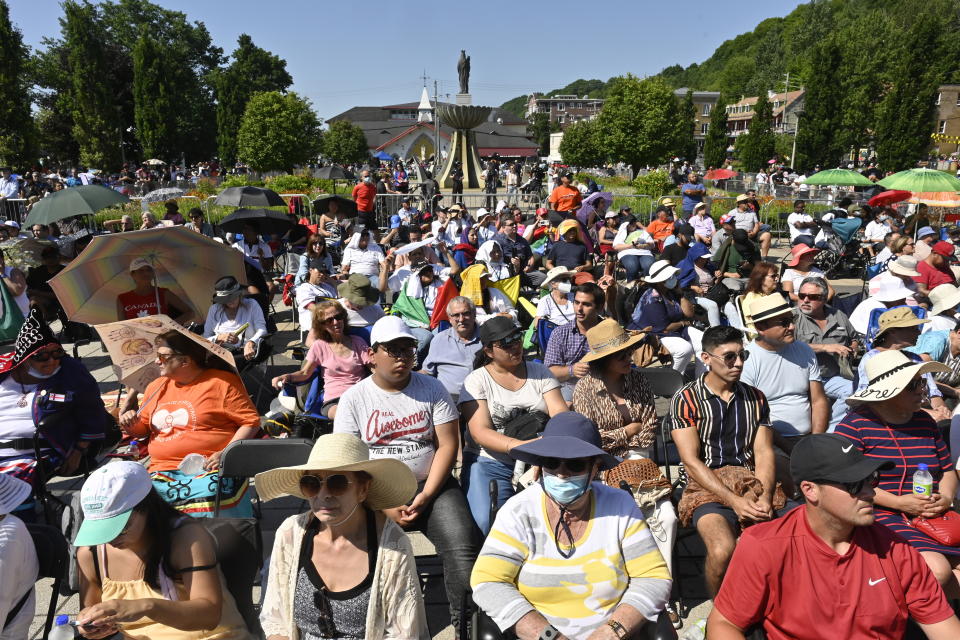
(886, 421)
(147, 570)
(18, 562)
(342, 569)
(618, 398)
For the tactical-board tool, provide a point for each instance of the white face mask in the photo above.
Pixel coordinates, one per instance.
(564, 287)
(43, 376)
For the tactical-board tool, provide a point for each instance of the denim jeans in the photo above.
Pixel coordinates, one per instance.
(837, 389)
(423, 336)
(477, 474)
(447, 524)
(636, 266)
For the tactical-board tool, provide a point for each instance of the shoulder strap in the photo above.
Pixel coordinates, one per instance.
(16, 609)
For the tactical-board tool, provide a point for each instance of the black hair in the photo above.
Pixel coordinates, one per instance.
(592, 289)
(161, 519)
(481, 359)
(796, 202)
(716, 336)
(183, 345)
(196, 211)
(844, 203)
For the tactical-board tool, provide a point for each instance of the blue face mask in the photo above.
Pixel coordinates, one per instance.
(565, 491)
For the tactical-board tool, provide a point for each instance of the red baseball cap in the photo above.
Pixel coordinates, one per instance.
(944, 248)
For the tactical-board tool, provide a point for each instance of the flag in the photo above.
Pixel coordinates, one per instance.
(412, 310)
(447, 293)
(510, 287)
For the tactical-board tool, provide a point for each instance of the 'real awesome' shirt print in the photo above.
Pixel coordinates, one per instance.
(400, 424)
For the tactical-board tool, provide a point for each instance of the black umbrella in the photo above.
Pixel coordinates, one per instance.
(249, 197)
(345, 205)
(266, 221)
(333, 173)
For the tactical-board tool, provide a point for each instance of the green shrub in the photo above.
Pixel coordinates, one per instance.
(289, 184)
(241, 181)
(207, 187)
(654, 184)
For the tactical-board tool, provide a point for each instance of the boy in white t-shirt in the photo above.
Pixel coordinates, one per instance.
(410, 417)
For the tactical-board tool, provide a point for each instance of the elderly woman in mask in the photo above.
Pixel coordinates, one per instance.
(490, 253)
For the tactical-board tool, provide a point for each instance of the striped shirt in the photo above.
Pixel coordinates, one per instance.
(726, 429)
(615, 561)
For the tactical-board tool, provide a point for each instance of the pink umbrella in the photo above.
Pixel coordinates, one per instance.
(719, 174)
(888, 197)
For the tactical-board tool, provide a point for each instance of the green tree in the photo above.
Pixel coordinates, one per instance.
(278, 132)
(94, 115)
(16, 123)
(253, 69)
(344, 142)
(817, 140)
(905, 116)
(154, 91)
(579, 146)
(686, 145)
(758, 145)
(540, 130)
(638, 121)
(716, 142)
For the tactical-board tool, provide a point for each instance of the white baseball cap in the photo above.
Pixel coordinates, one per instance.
(388, 329)
(107, 499)
(12, 223)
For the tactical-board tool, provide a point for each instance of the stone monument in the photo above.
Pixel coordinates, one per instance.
(463, 117)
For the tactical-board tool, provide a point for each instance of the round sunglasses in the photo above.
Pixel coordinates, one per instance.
(337, 484)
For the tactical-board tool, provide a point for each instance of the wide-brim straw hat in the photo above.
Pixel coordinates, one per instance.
(393, 482)
(944, 297)
(660, 271)
(13, 491)
(889, 373)
(904, 266)
(553, 274)
(607, 338)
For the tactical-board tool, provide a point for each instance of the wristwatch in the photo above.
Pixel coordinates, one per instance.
(549, 633)
(618, 629)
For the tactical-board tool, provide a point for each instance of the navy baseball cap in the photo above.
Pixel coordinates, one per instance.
(568, 435)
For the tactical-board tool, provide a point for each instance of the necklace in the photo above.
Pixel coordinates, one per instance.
(22, 401)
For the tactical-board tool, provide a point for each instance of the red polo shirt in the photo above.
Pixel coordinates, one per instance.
(363, 195)
(931, 277)
(785, 576)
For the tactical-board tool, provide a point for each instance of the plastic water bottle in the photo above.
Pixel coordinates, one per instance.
(192, 464)
(133, 450)
(697, 631)
(922, 481)
(62, 630)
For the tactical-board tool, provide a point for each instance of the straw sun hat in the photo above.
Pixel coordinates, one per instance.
(889, 373)
(608, 337)
(393, 483)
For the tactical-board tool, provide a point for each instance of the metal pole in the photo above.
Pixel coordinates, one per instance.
(436, 132)
(793, 153)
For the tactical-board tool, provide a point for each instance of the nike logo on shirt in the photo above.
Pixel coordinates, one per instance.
(877, 581)
(847, 448)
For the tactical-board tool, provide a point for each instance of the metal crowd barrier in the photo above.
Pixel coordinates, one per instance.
(13, 209)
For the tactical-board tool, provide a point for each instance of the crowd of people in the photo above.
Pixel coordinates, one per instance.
(487, 378)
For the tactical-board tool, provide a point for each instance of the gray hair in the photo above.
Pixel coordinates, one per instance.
(467, 302)
(819, 282)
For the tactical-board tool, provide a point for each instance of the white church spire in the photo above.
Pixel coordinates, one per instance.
(425, 109)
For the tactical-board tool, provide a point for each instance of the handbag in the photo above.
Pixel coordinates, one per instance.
(945, 528)
(526, 426)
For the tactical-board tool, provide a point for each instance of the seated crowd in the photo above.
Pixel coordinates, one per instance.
(491, 380)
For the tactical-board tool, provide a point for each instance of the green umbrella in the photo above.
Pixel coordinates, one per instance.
(921, 180)
(839, 178)
(74, 201)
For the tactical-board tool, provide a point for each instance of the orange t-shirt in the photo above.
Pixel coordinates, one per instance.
(565, 198)
(364, 194)
(200, 417)
(660, 229)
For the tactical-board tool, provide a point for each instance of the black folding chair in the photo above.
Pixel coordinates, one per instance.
(240, 557)
(54, 558)
(247, 458)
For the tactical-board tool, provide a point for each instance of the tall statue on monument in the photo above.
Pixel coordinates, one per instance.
(463, 71)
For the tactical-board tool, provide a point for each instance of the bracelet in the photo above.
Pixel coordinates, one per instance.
(549, 633)
(618, 629)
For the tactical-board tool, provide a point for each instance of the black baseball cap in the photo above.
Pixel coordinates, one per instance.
(497, 328)
(832, 457)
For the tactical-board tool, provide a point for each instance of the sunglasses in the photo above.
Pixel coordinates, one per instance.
(730, 358)
(509, 342)
(337, 485)
(854, 488)
(918, 384)
(574, 465)
(816, 297)
(782, 322)
(163, 357)
(400, 353)
(56, 354)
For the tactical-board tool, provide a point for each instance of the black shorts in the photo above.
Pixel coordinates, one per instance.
(730, 515)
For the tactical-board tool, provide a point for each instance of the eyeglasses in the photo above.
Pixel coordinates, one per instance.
(509, 342)
(573, 465)
(56, 354)
(854, 488)
(400, 353)
(462, 314)
(730, 358)
(163, 357)
(816, 297)
(337, 485)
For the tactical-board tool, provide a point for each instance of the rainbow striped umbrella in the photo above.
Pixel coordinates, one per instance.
(187, 263)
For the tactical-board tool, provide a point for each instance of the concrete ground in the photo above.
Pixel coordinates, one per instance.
(97, 361)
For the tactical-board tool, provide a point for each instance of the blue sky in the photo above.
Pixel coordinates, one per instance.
(344, 54)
